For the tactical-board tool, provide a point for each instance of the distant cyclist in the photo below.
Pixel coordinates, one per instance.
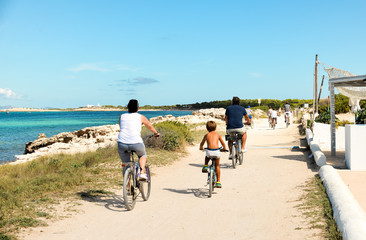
(287, 109)
(274, 116)
(249, 112)
(269, 114)
(234, 121)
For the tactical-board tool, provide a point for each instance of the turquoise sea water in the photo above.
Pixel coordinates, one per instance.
(18, 128)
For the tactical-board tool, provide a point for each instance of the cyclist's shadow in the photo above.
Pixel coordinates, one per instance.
(112, 202)
(197, 192)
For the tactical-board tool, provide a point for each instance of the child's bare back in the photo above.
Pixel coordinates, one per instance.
(213, 139)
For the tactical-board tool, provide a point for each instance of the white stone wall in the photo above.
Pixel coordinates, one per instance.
(322, 136)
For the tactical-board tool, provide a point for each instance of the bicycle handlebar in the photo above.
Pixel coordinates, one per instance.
(151, 135)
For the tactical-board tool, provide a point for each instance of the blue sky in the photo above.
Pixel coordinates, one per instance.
(74, 53)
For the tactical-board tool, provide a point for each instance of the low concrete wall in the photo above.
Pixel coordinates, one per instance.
(319, 156)
(309, 136)
(321, 133)
(350, 217)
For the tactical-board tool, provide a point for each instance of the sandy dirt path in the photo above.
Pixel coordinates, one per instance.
(257, 200)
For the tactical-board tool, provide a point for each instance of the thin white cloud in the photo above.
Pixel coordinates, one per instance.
(8, 94)
(139, 81)
(255, 75)
(88, 67)
(126, 68)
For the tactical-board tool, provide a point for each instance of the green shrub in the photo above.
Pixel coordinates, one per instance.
(323, 108)
(173, 136)
(363, 103)
(309, 123)
(361, 116)
(343, 123)
(324, 118)
(341, 104)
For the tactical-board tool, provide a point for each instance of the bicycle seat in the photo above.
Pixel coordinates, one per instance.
(233, 136)
(130, 151)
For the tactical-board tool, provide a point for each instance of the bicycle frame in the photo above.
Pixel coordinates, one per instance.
(132, 190)
(211, 168)
(236, 152)
(211, 177)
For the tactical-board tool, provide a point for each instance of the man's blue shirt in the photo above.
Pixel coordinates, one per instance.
(235, 114)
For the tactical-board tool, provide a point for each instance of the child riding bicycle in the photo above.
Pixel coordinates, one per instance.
(213, 150)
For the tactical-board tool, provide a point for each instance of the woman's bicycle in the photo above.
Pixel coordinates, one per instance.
(132, 185)
(274, 122)
(211, 174)
(287, 119)
(237, 154)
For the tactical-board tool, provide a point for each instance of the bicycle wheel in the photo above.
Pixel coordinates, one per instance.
(210, 183)
(145, 186)
(240, 153)
(129, 194)
(234, 155)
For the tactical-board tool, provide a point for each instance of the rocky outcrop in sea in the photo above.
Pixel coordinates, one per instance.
(86, 139)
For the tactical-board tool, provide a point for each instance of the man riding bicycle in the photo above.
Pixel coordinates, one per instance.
(287, 109)
(234, 121)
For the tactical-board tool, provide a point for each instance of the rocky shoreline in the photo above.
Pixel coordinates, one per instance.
(92, 138)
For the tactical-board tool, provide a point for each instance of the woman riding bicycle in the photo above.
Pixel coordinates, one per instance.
(274, 117)
(129, 137)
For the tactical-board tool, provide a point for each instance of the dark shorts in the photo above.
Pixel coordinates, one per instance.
(139, 148)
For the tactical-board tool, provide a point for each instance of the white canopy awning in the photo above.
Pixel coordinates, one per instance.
(351, 83)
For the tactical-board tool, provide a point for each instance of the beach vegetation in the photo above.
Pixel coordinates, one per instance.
(324, 117)
(28, 189)
(341, 104)
(173, 136)
(109, 106)
(253, 103)
(361, 116)
(363, 103)
(316, 207)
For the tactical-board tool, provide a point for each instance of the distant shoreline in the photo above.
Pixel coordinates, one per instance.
(94, 109)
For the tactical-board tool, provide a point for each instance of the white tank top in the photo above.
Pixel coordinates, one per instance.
(274, 114)
(130, 128)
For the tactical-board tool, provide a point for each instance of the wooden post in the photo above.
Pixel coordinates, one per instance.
(332, 121)
(315, 107)
(320, 92)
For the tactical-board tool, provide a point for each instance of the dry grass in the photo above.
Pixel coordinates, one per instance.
(317, 209)
(28, 191)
